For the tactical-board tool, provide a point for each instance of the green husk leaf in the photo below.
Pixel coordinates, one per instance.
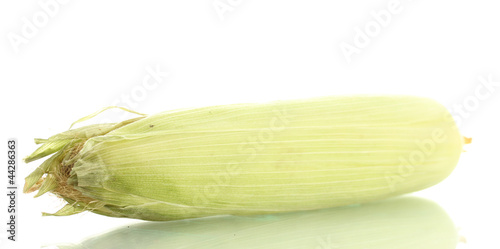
(68, 209)
(48, 184)
(47, 149)
(37, 174)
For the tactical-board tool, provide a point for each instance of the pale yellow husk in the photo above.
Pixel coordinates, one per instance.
(251, 158)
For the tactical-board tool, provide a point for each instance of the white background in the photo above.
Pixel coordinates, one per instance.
(80, 56)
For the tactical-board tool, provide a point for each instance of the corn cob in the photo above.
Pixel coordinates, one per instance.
(250, 158)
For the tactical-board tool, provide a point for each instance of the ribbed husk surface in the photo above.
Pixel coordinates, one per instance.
(251, 158)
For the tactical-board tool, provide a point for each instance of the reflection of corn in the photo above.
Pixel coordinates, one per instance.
(407, 222)
(251, 158)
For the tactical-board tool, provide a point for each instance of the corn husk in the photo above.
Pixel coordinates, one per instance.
(250, 158)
